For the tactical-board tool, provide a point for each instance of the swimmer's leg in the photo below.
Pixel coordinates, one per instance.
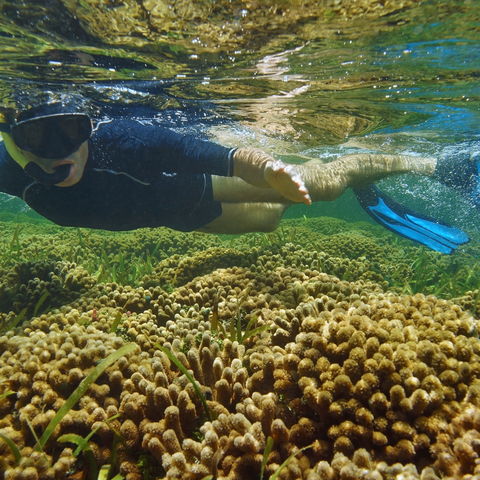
(246, 217)
(235, 190)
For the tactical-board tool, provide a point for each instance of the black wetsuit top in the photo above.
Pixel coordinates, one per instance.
(137, 175)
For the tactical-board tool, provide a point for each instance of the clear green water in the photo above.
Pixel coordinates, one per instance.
(404, 82)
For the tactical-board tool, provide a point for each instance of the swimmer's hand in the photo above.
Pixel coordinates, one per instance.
(262, 170)
(286, 180)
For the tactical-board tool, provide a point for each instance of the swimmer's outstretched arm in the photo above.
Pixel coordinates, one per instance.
(158, 149)
(317, 181)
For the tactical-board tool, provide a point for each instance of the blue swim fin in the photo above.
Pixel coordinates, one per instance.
(405, 222)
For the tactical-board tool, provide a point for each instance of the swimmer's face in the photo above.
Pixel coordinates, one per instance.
(77, 160)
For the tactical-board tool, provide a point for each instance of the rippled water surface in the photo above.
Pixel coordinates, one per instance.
(299, 81)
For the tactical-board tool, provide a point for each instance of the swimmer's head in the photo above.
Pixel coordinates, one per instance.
(48, 141)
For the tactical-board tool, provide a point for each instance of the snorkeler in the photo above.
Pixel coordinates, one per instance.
(123, 174)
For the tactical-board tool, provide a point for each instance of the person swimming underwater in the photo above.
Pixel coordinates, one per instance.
(124, 174)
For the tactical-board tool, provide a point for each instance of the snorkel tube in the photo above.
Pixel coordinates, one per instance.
(36, 172)
(31, 168)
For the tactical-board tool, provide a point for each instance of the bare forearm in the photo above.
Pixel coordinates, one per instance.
(249, 164)
(366, 167)
(319, 181)
(327, 181)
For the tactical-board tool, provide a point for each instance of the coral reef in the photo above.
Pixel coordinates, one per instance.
(25, 283)
(280, 346)
(469, 301)
(112, 256)
(349, 251)
(457, 446)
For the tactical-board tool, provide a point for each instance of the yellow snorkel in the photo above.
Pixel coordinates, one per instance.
(13, 150)
(10, 146)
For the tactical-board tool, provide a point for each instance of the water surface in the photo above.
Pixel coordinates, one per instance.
(298, 80)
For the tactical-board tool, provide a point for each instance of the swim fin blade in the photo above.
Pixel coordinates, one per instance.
(405, 222)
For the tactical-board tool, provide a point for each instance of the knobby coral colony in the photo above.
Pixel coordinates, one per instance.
(292, 372)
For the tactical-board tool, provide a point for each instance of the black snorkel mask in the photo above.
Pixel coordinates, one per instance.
(50, 136)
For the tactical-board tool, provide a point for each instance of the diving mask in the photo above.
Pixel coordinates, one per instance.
(52, 137)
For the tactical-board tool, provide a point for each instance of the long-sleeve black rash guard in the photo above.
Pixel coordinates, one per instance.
(137, 175)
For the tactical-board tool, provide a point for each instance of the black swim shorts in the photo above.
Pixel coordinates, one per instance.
(191, 203)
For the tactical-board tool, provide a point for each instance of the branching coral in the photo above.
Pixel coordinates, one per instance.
(23, 285)
(347, 379)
